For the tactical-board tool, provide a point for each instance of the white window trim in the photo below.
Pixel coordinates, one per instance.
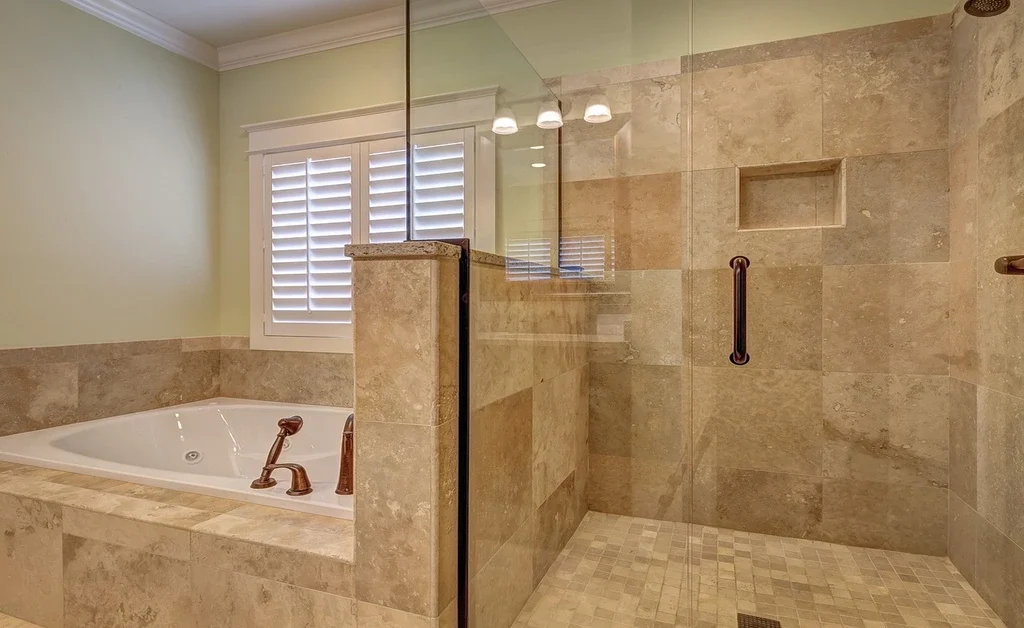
(437, 113)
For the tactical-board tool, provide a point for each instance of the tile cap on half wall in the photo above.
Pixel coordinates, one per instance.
(403, 249)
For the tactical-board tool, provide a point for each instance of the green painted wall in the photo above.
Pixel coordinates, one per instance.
(108, 166)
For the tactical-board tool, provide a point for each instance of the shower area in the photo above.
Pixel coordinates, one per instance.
(745, 344)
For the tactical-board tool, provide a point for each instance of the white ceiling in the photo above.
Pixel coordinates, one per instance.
(223, 22)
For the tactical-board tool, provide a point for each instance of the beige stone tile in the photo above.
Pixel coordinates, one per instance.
(501, 366)
(195, 501)
(757, 53)
(653, 140)
(964, 88)
(621, 74)
(638, 487)
(654, 332)
(649, 222)
(897, 210)
(30, 561)
(236, 343)
(1000, 228)
(137, 382)
(38, 355)
(558, 404)
(145, 537)
(762, 419)
(888, 516)
(637, 411)
(588, 150)
(279, 562)
(591, 207)
(885, 96)
(7, 621)
(887, 428)
(770, 503)
(964, 354)
(1000, 575)
(397, 355)
(201, 343)
(501, 588)
(446, 538)
(502, 468)
(110, 585)
(373, 616)
(288, 377)
(554, 523)
(37, 396)
(963, 441)
(558, 327)
(1001, 461)
(396, 500)
(963, 537)
(886, 319)
(783, 317)
(766, 112)
(918, 519)
(223, 599)
(1001, 55)
(963, 198)
(716, 239)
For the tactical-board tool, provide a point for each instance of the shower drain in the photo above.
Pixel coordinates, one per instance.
(192, 457)
(753, 621)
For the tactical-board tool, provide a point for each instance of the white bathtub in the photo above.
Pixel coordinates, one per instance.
(233, 437)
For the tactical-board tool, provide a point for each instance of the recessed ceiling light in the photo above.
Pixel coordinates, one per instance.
(536, 148)
(538, 165)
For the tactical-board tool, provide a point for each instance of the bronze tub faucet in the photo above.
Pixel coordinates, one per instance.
(300, 479)
(346, 475)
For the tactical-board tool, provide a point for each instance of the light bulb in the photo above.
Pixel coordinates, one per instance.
(538, 165)
(550, 116)
(505, 122)
(598, 110)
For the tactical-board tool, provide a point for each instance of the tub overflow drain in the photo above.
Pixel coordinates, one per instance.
(193, 457)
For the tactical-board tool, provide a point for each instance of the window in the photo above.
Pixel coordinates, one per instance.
(321, 182)
(585, 257)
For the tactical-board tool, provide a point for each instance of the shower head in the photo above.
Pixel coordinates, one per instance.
(986, 8)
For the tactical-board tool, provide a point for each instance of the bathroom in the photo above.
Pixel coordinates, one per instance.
(698, 313)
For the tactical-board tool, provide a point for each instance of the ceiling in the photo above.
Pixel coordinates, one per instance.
(225, 22)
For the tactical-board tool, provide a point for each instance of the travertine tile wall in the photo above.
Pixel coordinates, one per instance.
(82, 552)
(986, 535)
(838, 429)
(406, 315)
(528, 433)
(52, 386)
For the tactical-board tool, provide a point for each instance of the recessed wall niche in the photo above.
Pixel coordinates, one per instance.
(798, 195)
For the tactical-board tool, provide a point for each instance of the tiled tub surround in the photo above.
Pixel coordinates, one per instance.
(986, 517)
(231, 436)
(838, 429)
(528, 433)
(50, 386)
(80, 552)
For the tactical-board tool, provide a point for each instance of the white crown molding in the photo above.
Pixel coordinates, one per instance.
(347, 32)
(360, 29)
(149, 28)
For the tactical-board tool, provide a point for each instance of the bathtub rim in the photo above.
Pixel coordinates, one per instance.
(183, 482)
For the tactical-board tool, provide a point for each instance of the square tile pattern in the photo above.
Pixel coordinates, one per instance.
(625, 571)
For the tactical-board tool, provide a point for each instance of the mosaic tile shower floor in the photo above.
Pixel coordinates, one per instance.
(623, 571)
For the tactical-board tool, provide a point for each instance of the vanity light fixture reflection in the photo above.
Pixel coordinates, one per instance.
(550, 116)
(505, 122)
(598, 110)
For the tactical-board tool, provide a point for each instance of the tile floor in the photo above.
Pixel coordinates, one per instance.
(623, 571)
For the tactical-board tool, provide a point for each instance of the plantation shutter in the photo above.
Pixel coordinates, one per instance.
(583, 257)
(528, 259)
(311, 219)
(443, 190)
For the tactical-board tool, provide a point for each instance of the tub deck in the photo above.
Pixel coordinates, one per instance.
(67, 533)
